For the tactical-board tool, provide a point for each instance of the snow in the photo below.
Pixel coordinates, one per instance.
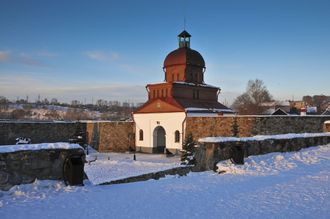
(113, 166)
(272, 164)
(276, 185)
(202, 115)
(207, 109)
(193, 84)
(263, 137)
(33, 147)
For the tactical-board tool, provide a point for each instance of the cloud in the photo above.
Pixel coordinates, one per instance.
(31, 59)
(102, 56)
(47, 54)
(4, 56)
(27, 59)
(13, 86)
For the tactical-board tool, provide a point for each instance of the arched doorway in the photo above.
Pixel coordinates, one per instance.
(159, 140)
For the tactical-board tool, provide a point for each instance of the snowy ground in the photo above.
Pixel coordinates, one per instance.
(277, 185)
(113, 166)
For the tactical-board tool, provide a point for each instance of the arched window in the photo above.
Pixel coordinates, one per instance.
(141, 135)
(177, 136)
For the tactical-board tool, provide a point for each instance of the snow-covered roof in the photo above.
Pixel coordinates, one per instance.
(34, 147)
(202, 115)
(326, 113)
(263, 137)
(196, 110)
(193, 84)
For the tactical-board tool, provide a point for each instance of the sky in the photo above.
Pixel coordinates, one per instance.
(89, 50)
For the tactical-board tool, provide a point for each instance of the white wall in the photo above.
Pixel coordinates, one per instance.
(149, 121)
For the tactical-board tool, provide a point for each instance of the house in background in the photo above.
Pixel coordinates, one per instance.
(280, 112)
(326, 112)
(160, 122)
(276, 108)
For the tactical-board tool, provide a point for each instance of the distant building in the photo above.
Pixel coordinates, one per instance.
(326, 113)
(160, 122)
(280, 112)
(271, 107)
(297, 104)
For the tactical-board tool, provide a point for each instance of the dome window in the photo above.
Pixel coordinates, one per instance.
(184, 39)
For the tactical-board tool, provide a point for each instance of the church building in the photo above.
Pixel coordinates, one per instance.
(160, 122)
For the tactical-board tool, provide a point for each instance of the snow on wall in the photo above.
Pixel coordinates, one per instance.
(34, 147)
(20, 164)
(214, 149)
(263, 137)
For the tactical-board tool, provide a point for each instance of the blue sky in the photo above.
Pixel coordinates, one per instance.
(111, 49)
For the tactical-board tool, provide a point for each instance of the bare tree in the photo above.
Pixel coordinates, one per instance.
(251, 101)
(3, 103)
(76, 114)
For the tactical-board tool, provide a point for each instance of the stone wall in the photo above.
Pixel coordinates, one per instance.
(39, 132)
(103, 136)
(119, 136)
(247, 126)
(22, 167)
(111, 136)
(208, 154)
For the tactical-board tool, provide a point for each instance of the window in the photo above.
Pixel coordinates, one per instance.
(177, 136)
(153, 94)
(141, 135)
(177, 77)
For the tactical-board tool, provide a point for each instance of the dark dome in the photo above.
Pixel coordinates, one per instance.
(184, 56)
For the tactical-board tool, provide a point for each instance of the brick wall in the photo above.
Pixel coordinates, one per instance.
(111, 136)
(253, 125)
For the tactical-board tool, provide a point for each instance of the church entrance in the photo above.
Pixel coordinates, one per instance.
(159, 136)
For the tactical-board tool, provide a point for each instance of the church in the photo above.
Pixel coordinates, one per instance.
(160, 122)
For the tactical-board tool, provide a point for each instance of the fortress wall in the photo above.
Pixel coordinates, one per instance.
(103, 135)
(246, 126)
(39, 132)
(111, 136)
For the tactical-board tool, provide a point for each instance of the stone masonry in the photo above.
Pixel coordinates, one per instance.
(208, 154)
(39, 132)
(119, 136)
(247, 126)
(23, 167)
(111, 136)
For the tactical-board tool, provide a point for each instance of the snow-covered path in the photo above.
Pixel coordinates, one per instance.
(288, 185)
(113, 166)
